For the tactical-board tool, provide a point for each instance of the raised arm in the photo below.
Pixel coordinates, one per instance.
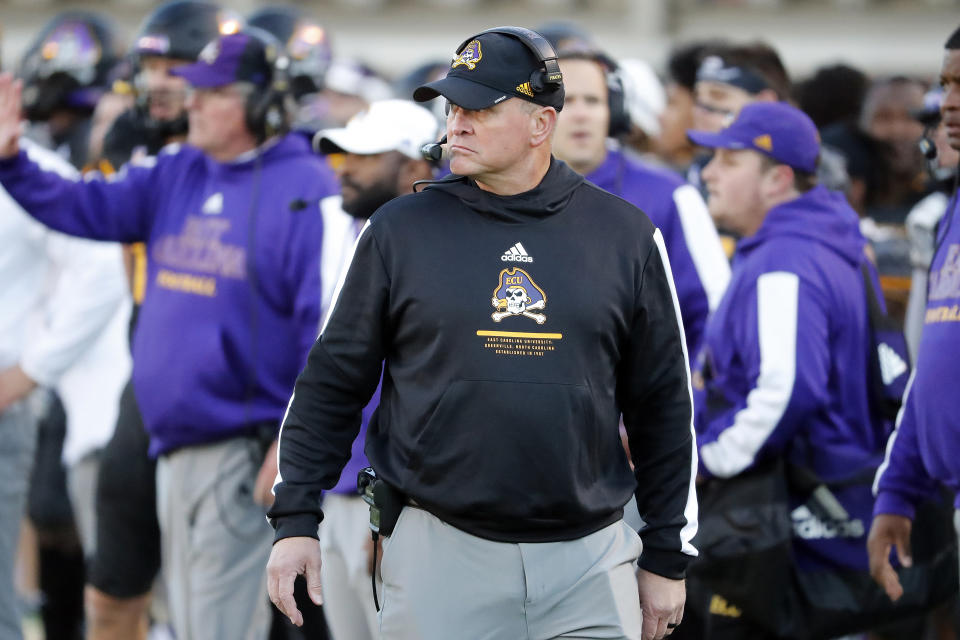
(118, 209)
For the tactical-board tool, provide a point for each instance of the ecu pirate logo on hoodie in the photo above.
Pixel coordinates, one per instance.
(518, 295)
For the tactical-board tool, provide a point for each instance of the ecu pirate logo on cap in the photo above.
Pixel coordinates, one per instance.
(469, 57)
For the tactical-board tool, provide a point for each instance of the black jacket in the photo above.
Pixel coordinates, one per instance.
(500, 408)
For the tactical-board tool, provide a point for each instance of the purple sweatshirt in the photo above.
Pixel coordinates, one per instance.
(232, 299)
(700, 268)
(923, 451)
(784, 368)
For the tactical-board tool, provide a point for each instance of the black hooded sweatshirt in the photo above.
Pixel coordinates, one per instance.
(512, 331)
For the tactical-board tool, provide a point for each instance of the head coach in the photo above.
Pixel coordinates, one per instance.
(516, 311)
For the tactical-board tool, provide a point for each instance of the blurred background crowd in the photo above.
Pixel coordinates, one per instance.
(863, 70)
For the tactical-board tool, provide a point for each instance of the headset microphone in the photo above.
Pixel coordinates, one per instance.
(928, 148)
(433, 151)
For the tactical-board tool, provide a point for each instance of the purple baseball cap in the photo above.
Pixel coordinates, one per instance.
(775, 129)
(237, 57)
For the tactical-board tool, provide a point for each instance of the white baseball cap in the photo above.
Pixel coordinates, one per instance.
(645, 97)
(386, 125)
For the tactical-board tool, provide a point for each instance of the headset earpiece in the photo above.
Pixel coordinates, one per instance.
(617, 102)
(536, 81)
(927, 147)
(266, 113)
(620, 123)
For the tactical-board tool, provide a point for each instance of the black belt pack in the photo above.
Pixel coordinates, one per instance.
(385, 501)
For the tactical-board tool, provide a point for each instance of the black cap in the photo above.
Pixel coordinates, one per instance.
(492, 67)
(182, 28)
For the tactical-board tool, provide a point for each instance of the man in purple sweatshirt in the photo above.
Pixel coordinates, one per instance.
(783, 372)
(231, 309)
(700, 268)
(922, 452)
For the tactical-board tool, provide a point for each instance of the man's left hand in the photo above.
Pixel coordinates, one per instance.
(661, 600)
(263, 489)
(14, 385)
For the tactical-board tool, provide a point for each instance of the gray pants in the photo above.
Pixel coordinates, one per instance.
(18, 440)
(347, 596)
(215, 541)
(439, 582)
(82, 487)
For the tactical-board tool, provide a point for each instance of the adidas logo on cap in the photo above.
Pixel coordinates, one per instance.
(516, 253)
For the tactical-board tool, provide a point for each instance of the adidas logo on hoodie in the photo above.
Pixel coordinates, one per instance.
(516, 253)
(892, 365)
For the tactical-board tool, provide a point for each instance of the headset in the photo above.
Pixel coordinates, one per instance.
(927, 146)
(546, 78)
(266, 113)
(620, 123)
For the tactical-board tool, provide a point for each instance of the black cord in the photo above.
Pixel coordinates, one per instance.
(253, 281)
(254, 318)
(373, 574)
(419, 185)
(621, 171)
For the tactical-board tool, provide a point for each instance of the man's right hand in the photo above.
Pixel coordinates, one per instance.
(14, 386)
(289, 558)
(10, 91)
(888, 531)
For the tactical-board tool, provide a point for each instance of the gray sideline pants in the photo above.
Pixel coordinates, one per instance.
(439, 582)
(82, 487)
(347, 595)
(215, 541)
(18, 440)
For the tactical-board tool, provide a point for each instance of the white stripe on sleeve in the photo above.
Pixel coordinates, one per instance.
(735, 449)
(689, 530)
(893, 436)
(703, 243)
(343, 277)
(279, 477)
(338, 239)
(333, 304)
